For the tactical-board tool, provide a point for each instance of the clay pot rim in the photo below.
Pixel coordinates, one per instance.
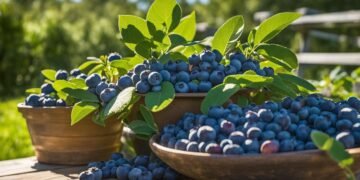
(156, 147)
(23, 106)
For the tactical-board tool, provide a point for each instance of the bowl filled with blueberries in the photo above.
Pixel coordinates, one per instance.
(268, 141)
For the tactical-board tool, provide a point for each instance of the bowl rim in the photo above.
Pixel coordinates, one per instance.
(154, 145)
(23, 106)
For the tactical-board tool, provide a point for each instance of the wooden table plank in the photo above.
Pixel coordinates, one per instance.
(329, 58)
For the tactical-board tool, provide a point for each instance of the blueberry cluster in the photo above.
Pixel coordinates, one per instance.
(48, 94)
(200, 74)
(101, 87)
(268, 128)
(140, 167)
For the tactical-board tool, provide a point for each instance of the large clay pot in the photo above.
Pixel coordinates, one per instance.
(57, 142)
(309, 164)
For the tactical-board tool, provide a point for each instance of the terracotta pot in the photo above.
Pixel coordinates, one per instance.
(310, 164)
(57, 142)
(183, 102)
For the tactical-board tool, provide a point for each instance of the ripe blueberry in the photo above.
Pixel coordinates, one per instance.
(194, 59)
(204, 86)
(142, 87)
(217, 77)
(206, 134)
(93, 80)
(181, 87)
(47, 88)
(107, 94)
(124, 82)
(75, 72)
(155, 78)
(61, 75)
(269, 147)
(233, 149)
(114, 56)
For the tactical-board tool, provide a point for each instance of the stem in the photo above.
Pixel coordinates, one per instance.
(350, 174)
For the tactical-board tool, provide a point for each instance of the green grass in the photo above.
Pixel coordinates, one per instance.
(15, 141)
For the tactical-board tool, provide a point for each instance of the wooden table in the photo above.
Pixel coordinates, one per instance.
(29, 168)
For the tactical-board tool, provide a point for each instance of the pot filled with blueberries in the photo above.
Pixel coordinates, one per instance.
(270, 140)
(56, 137)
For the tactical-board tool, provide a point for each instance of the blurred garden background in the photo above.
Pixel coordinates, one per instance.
(60, 34)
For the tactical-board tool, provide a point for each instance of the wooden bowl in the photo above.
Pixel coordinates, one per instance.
(57, 142)
(310, 164)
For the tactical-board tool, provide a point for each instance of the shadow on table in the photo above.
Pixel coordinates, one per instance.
(52, 170)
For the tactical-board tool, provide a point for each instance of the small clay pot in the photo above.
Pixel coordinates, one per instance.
(310, 164)
(57, 142)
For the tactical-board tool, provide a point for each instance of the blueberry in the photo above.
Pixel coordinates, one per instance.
(346, 139)
(327, 105)
(309, 145)
(116, 156)
(233, 149)
(86, 175)
(271, 105)
(218, 55)
(100, 87)
(49, 102)
(106, 172)
(283, 120)
(248, 65)
(93, 80)
(193, 86)
(204, 86)
(217, 77)
(295, 106)
(170, 174)
(158, 172)
(213, 148)
(156, 66)
(266, 115)
(81, 76)
(267, 135)
(47, 88)
(182, 66)
(331, 131)
(286, 102)
(141, 160)
(142, 87)
(236, 63)
(227, 127)
(155, 78)
(312, 101)
(314, 110)
(302, 132)
(135, 174)
(194, 74)
(139, 69)
(303, 113)
(282, 135)
(181, 135)
(192, 146)
(203, 76)
(122, 172)
(202, 146)
(173, 78)
(348, 113)
(165, 75)
(292, 128)
(220, 67)
(229, 70)
(260, 72)
(354, 103)
(107, 94)
(321, 123)
(145, 75)
(287, 145)
(194, 59)
(156, 88)
(170, 66)
(225, 142)
(268, 71)
(251, 146)
(207, 56)
(75, 72)
(344, 125)
(252, 116)
(181, 87)
(237, 137)
(60, 102)
(205, 66)
(183, 76)
(164, 140)
(114, 56)
(294, 118)
(253, 133)
(237, 55)
(61, 75)
(206, 134)
(273, 127)
(269, 147)
(300, 146)
(216, 112)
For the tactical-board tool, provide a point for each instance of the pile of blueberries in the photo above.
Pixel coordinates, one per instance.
(199, 75)
(268, 128)
(140, 167)
(48, 94)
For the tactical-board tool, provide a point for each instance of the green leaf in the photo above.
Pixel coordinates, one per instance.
(228, 34)
(273, 26)
(82, 95)
(33, 91)
(120, 102)
(242, 101)
(97, 69)
(251, 36)
(338, 153)
(218, 95)
(321, 140)
(279, 86)
(81, 110)
(187, 27)
(49, 74)
(164, 14)
(148, 117)
(59, 85)
(144, 49)
(177, 40)
(79, 83)
(279, 55)
(88, 64)
(157, 101)
(141, 128)
(297, 81)
(248, 80)
(133, 30)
